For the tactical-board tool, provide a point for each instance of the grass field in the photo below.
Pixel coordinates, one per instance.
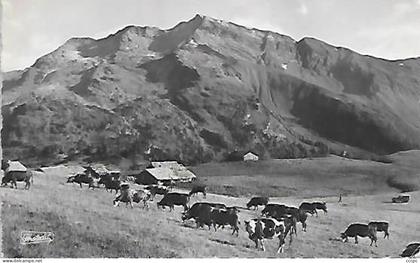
(86, 225)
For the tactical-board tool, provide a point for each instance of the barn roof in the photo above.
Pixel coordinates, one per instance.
(164, 173)
(63, 170)
(167, 164)
(250, 154)
(183, 174)
(161, 173)
(15, 166)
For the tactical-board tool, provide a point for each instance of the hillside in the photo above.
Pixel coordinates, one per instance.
(86, 225)
(204, 88)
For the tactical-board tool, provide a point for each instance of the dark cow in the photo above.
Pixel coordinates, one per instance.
(381, 226)
(110, 183)
(81, 179)
(308, 208)
(270, 209)
(201, 213)
(320, 206)
(280, 211)
(157, 190)
(18, 176)
(221, 217)
(198, 189)
(266, 228)
(256, 201)
(412, 250)
(172, 199)
(362, 230)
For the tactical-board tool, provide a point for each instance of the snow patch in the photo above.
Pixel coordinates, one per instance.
(401, 64)
(284, 66)
(192, 42)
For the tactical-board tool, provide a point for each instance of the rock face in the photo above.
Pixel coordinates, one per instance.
(204, 88)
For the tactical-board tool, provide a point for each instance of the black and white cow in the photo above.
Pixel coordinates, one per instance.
(267, 228)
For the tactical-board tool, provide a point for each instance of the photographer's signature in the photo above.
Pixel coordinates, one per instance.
(33, 237)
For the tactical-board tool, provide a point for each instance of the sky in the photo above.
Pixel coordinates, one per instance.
(382, 28)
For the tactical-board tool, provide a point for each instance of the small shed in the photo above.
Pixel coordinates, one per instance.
(15, 166)
(250, 156)
(155, 175)
(165, 174)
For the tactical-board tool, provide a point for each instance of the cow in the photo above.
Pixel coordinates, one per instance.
(201, 213)
(125, 196)
(18, 176)
(110, 184)
(280, 211)
(269, 209)
(141, 196)
(267, 228)
(308, 208)
(320, 206)
(221, 217)
(256, 201)
(172, 199)
(381, 226)
(362, 230)
(81, 179)
(157, 190)
(412, 250)
(198, 189)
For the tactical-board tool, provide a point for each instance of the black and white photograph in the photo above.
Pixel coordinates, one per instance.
(189, 129)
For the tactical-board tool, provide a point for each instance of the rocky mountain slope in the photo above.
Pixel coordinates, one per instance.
(203, 89)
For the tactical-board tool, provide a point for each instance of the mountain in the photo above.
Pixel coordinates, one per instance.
(203, 89)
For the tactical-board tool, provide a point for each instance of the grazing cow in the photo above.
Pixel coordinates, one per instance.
(110, 184)
(157, 190)
(256, 201)
(308, 208)
(270, 209)
(362, 230)
(320, 206)
(381, 227)
(81, 179)
(221, 217)
(201, 213)
(198, 189)
(172, 199)
(267, 228)
(18, 176)
(412, 250)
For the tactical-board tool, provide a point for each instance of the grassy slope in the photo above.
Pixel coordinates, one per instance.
(86, 225)
(308, 177)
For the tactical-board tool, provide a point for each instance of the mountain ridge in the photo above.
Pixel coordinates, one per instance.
(231, 87)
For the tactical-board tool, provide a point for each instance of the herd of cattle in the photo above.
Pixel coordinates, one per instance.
(275, 221)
